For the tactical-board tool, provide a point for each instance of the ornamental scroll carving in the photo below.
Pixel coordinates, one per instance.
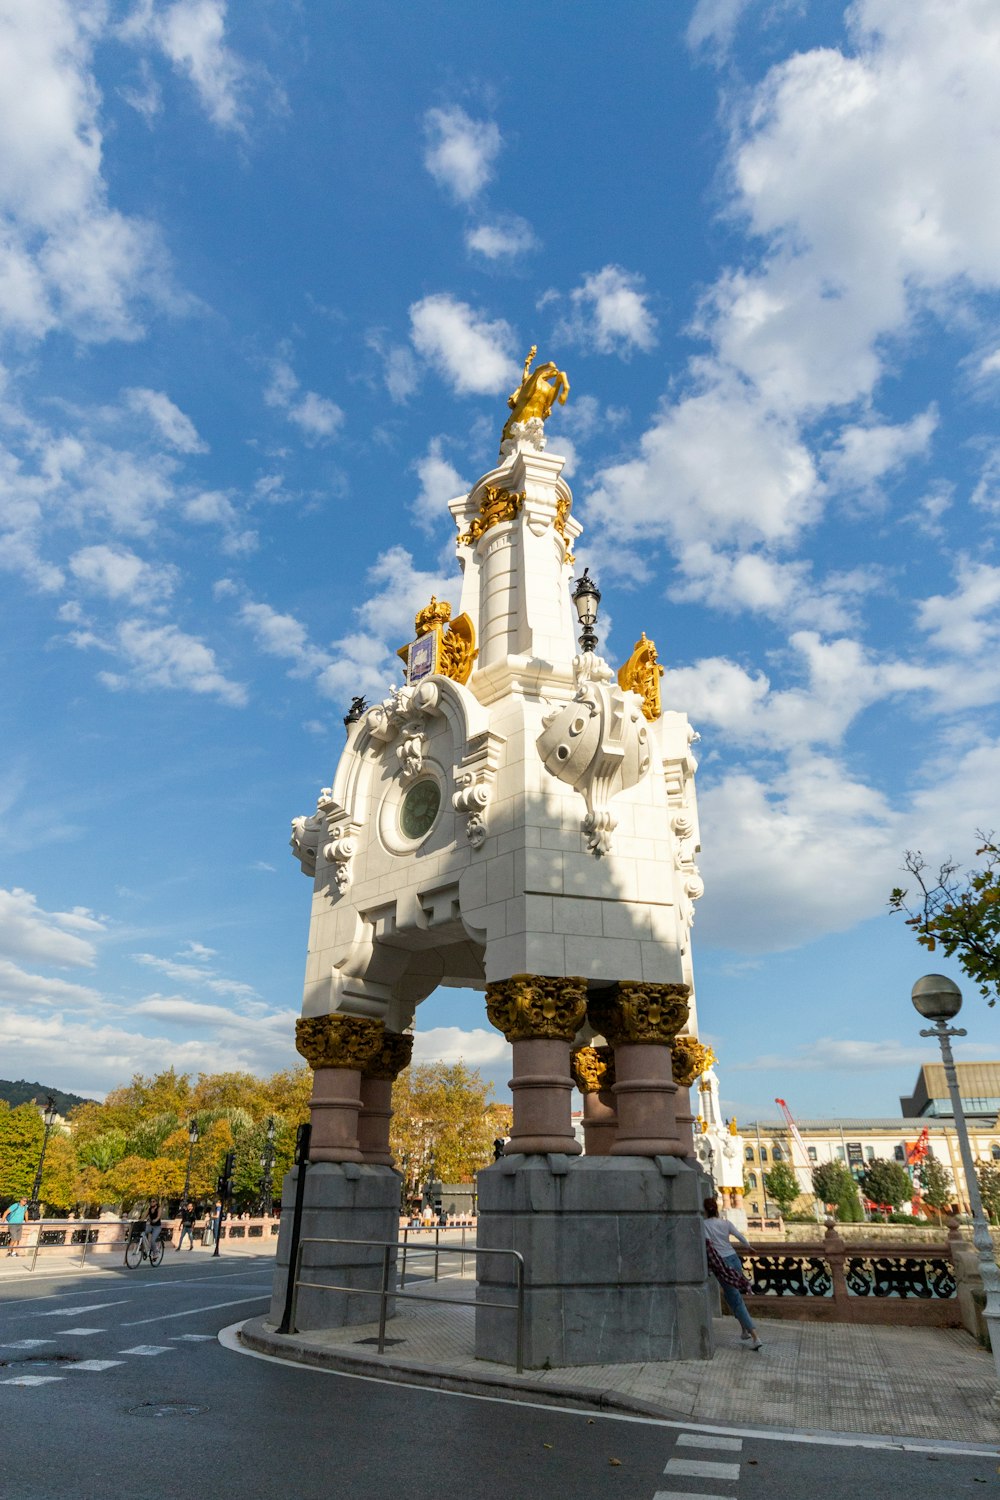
(497, 505)
(475, 777)
(637, 1012)
(593, 1069)
(395, 1052)
(689, 1059)
(598, 744)
(530, 1007)
(339, 1041)
(404, 714)
(331, 823)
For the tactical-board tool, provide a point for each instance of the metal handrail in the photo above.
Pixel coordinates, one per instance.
(384, 1292)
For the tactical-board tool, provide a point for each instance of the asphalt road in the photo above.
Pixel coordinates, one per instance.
(114, 1383)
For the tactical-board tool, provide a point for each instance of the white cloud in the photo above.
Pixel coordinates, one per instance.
(189, 973)
(67, 258)
(171, 423)
(862, 455)
(284, 636)
(120, 574)
(191, 33)
(460, 151)
(966, 622)
(450, 1044)
(609, 313)
(714, 21)
(162, 656)
(19, 987)
(28, 931)
(214, 508)
(318, 418)
(440, 482)
(838, 1055)
(467, 350)
(503, 239)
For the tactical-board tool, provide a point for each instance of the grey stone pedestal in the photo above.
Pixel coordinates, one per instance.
(343, 1201)
(614, 1260)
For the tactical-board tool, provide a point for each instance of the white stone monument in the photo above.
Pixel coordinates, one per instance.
(520, 818)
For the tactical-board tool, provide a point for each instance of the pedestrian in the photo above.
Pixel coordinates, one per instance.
(14, 1219)
(217, 1220)
(187, 1217)
(727, 1268)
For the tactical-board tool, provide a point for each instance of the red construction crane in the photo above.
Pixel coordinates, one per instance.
(795, 1134)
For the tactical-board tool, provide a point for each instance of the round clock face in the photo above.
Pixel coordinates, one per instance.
(419, 808)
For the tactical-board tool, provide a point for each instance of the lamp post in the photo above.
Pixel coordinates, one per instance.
(586, 597)
(49, 1116)
(193, 1138)
(267, 1162)
(939, 999)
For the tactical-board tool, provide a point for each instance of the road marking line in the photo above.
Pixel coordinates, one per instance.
(688, 1495)
(229, 1339)
(32, 1379)
(194, 1338)
(147, 1349)
(96, 1364)
(82, 1331)
(28, 1344)
(699, 1468)
(191, 1311)
(722, 1444)
(74, 1312)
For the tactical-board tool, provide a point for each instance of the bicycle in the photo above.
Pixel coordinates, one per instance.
(136, 1252)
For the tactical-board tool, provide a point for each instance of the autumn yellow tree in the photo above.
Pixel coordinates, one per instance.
(444, 1123)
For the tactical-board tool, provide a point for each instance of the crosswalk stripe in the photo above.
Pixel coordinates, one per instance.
(699, 1468)
(689, 1495)
(31, 1379)
(708, 1440)
(96, 1364)
(147, 1349)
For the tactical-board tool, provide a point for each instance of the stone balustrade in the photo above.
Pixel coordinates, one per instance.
(105, 1236)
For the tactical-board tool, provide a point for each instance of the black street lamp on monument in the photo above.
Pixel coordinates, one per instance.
(49, 1116)
(586, 597)
(193, 1139)
(267, 1162)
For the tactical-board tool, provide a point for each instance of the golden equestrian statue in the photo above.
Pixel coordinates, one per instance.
(537, 393)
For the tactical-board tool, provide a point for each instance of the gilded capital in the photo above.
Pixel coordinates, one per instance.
(689, 1059)
(393, 1056)
(593, 1069)
(640, 1012)
(531, 1006)
(339, 1041)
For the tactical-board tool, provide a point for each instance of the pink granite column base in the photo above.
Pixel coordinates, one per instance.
(685, 1120)
(542, 1089)
(334, 1107)
(644, 1095)
(373, 1121)
(600, 1123)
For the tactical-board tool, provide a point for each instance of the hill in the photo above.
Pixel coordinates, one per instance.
(19, 1092)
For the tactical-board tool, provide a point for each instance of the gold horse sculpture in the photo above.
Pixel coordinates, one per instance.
(537, 393)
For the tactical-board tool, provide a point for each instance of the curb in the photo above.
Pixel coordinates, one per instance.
(261, 1338)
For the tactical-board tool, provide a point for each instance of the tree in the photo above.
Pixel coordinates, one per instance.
(444, 1123)
(834, 1184)
(935, 1184)
(988, 1176)
(21, 1135)
(782, 1185)
(960, 913)
(887, 1183)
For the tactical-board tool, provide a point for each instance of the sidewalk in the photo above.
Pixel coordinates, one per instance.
(899, 1382)
(66, 1259)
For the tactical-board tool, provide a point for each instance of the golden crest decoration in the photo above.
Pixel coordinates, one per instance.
(450, 652)
(641, 674)
(496, 505)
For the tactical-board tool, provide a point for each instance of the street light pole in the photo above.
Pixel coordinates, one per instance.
(938, 999)
(193, 1139)
(49, 1116)
(267, 1162)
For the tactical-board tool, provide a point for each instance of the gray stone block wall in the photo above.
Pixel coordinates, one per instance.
(342, 1202)
(614, 1261)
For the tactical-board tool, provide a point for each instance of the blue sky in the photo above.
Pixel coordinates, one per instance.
(267, 274)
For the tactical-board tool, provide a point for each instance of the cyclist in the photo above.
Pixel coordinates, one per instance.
(151, 1233)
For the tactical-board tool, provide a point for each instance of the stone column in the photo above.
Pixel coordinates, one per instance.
(338, 1048)
(689, 1059)
(540, 1017)
(594, 1075)
(640, 1021)
(376, 1097)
